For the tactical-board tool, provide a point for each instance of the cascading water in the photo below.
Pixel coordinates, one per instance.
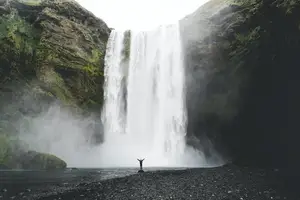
(154, 123)
(113, 110)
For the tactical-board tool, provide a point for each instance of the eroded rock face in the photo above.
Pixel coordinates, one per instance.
(50, 50)
(58, 45)
(241, 60)
(207, 99)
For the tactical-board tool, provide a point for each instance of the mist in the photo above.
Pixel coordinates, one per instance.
(56, 129)
(198, 38)
(50, 127)
(60, 132)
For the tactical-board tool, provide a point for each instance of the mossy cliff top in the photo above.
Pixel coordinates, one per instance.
(58, 44)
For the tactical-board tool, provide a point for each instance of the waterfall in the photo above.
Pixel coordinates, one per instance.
(113, 109)
(153, 125)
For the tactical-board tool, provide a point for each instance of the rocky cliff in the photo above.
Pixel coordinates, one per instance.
(242, 59)
(58, 45)
(49, 51)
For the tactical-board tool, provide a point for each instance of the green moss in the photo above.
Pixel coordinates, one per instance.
(10, 157)
(46, 55)
(245, 39)
(18, 41)
(18, 33)
(250, 6)
(51, 14)
(44, 161)
(93, 69)
(96, 56)
(57, 86)
(243, 42)
(49, 42)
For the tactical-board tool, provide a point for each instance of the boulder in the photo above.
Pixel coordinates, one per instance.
(12, 156)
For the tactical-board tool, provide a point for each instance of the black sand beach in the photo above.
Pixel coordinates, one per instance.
(223, 183)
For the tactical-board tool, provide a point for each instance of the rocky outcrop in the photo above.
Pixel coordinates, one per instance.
(14, 156)
(242, 63)
(56, 48)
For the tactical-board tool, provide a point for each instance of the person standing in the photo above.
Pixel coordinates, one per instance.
(141, 163)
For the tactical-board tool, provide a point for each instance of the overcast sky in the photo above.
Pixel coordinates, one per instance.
(140, 14)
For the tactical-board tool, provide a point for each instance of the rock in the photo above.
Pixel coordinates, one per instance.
(36, 160)
(50, 52)
(239, 79)
(6, 159)
(14, 158)
(2, 166)
(57, 48)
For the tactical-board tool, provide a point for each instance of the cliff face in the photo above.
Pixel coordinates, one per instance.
(242, 63)
(49, 51)
(58, 44)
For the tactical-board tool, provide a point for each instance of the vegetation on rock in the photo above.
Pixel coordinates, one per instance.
(63, 50)
(12, 156)
(49, 51)
(45, 161)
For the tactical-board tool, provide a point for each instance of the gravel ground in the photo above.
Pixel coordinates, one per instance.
(223, 183)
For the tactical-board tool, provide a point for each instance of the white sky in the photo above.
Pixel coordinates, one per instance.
(140, 14)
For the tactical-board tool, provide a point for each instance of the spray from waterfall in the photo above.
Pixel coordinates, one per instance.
(150, 120)
(144, 114)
